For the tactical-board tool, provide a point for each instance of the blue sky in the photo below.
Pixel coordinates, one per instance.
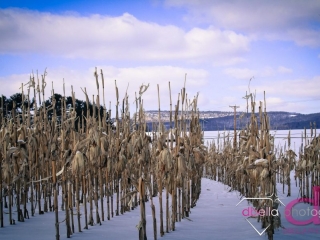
(221, 45)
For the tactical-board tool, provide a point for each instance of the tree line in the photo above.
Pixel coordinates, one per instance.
(17, 103)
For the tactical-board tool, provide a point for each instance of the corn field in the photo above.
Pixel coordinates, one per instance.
(42, 158)
(254, 165)
(86, 162)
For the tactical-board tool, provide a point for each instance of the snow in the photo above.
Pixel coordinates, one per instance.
(215, 216)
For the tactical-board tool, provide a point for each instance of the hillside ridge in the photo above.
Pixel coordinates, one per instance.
(223, 120)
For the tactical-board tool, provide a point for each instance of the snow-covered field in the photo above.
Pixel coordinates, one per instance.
(280, 137)
(216, 216)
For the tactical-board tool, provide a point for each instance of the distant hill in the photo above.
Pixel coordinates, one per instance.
(217, 120)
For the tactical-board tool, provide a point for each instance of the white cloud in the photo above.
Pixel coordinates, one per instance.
(114, 38)
(266, 72)
(280, 104)
(296, 95)
(292, 95)
(11, 84)
(246, 73)
(294, 88)
(274, 100)
(281, 19)
(282, 69)
(196, 80)
(240, 73)
(305, 37)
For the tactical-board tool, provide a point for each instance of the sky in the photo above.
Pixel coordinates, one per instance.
(221, 50)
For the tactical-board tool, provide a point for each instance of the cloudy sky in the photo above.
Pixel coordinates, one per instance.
(221, 45)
